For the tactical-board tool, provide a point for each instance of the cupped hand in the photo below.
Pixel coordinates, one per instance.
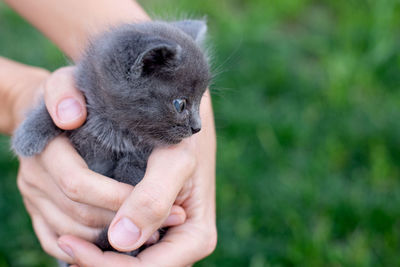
(183, 174)
(60, 193)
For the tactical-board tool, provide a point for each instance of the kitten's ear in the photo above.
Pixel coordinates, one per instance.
(196, 29)
(159, 57)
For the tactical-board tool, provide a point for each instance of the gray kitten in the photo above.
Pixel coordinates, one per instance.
(143, 84)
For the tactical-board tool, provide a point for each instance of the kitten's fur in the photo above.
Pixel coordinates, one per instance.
(130, 77)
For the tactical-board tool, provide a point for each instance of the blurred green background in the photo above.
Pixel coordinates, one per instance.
(307, 111)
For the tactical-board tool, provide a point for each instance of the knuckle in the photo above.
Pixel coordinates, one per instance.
(212, 243)
(57, 77)
(209, 241)
(22, 187)
(117, 200)
(25, 172)
(47, 247)
(85, 217)
(41, 72)
(154, 207)
(70, 187)
(29, 207)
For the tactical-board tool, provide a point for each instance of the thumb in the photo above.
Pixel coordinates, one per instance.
(64, 102)
(150, 202)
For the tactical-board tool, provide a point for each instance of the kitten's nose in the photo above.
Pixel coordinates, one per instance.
(195, 129)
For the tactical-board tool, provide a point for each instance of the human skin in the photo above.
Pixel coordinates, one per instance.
(45, 180)
(66, 199)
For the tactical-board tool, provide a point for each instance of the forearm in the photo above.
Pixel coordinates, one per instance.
(18, 88)
(70, 23)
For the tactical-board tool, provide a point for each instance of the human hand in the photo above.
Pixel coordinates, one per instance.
(60, 193)
(183, 174)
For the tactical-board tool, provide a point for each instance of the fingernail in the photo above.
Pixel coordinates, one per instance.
(174, 219)
(124, 233)
(67, 249)
(69, 110)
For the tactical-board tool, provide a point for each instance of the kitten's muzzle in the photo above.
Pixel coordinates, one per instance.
(195, 129)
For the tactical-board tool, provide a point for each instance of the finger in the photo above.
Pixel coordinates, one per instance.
(86, 254)
(77, 182)
(176, 217)
(81, 213)
(41, 185)
(48, 239)
(65, 103)
(149, 204)
(61, 223)
(181, 246)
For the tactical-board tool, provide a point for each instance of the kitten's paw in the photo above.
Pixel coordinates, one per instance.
(27, 143)
(62, 264)
(34, 133)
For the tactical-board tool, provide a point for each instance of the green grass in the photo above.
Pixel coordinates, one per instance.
(307, 107)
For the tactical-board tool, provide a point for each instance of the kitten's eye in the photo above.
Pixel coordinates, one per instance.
(180, 104)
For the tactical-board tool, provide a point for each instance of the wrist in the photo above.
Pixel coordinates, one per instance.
(19, 88)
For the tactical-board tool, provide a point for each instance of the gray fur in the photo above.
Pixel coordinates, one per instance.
(130, 77)
(195, 28)
(33, 134)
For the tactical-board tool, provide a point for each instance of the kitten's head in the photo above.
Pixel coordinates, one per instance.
(148, 79)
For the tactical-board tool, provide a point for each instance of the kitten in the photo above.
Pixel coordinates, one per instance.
(143, 84)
